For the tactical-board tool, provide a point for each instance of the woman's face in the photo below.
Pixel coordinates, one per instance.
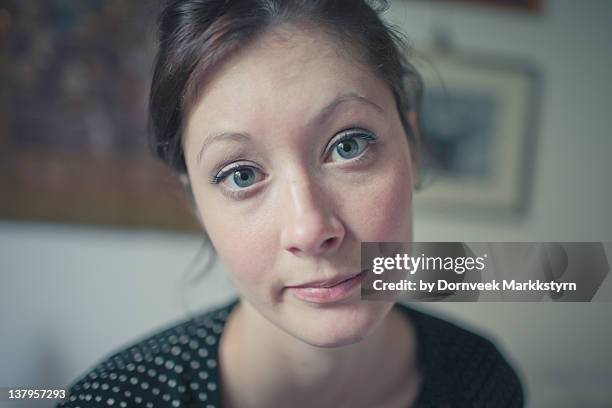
(296, 154)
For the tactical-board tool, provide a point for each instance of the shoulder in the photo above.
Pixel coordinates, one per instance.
(460, 365)
(175, 367)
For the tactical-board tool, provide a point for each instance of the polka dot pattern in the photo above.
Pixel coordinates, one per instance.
(176, 367)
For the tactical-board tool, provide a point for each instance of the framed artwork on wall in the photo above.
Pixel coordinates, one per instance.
(478, 119)
(73, 118)
(530, 6)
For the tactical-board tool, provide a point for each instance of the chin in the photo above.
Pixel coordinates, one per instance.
(339, 325)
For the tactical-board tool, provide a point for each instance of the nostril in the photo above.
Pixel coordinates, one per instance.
(294, 251)
(329, 243)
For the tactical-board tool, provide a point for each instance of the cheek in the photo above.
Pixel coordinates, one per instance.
(244, 244)
(386, 213)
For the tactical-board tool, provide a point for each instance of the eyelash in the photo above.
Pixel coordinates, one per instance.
(349, 134)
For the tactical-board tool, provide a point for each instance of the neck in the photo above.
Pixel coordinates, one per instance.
(290, 372)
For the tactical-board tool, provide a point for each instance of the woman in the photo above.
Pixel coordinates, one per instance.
(294, 126)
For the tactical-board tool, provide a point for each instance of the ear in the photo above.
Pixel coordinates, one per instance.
(184, 180)
(413, 121)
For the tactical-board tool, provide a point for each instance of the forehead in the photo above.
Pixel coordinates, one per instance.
(282, 77)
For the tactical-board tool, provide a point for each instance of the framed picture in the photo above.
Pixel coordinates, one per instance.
(73, 118)
(478, 119)
(517, 5)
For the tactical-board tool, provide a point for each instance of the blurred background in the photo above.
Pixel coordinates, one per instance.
(97, 245)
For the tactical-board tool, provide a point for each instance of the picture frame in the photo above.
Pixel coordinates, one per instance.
(479, 120)
(73, 119)
(528, 6)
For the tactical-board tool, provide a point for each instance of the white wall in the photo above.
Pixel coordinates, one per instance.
(71, 294)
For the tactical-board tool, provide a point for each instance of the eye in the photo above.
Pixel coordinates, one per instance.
(238, 177)
(352, 143)
(244, 177)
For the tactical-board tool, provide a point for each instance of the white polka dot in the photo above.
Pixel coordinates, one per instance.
(123, 404)
(202, 396)
(138, 399)
(166, 397)
(175, 403)
(211, 363)
(211, 386)
(110, 401)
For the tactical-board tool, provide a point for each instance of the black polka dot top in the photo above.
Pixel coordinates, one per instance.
(178, 367)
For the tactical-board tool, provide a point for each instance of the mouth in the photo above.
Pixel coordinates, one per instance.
(327, 291)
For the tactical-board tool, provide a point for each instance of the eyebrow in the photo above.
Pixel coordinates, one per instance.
(322, 116)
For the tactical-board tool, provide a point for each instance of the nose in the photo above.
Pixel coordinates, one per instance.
(310, 227)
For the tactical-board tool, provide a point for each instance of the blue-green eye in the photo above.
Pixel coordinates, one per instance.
(244, 177)
(238, 177)
(352, 144)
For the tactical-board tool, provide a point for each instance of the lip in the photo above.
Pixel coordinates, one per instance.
(325, 283)
(327, 291)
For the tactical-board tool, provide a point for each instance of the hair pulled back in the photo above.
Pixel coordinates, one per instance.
(194, 36)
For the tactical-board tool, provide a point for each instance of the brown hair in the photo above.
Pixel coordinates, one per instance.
(196, 35)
